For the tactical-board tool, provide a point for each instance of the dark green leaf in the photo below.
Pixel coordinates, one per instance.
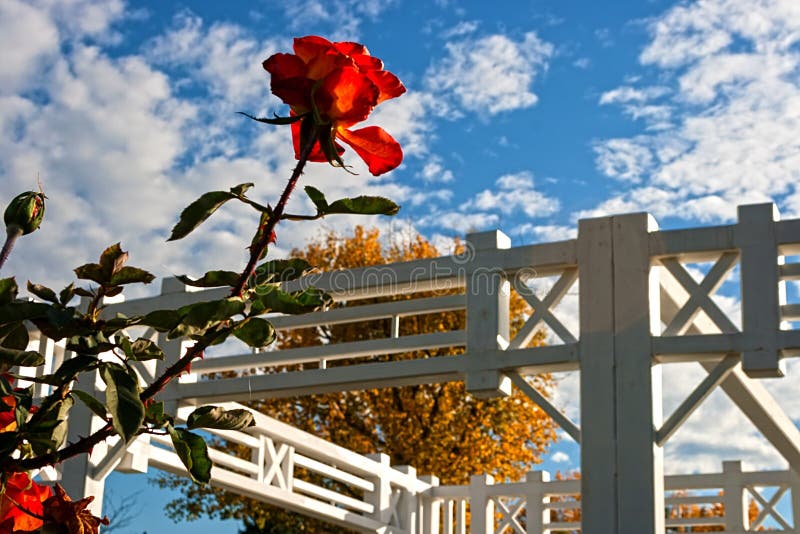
(257, 237)
(255, 331)
(317, 198)
(131, 275)
(8, 290)
(91, 344)
(154, 414)
(5, 386)
(90, 271)
(202, 314)
(58, 323)
(162, 320)
(277, 120)
(364, 205)
(66, 294)
(280, 270)
(47, 428)
(111, 261)
(92, 403)
(220, 419)
(193, 452)
(241, 189)
(143, 349)
(69, 369)
(20, 310)
(122, 399)
(274, 299)
(14, 336)
(184, 330)
(44, 293)
(212, 279)
(8, 443)
(81, 292)
(23, 358)
(198, 211)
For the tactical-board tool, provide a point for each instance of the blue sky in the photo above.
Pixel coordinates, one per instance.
(524, 116)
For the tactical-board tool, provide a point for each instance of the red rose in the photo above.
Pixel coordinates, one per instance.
(342, 83)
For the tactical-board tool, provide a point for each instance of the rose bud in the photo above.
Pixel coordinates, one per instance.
(25, 213)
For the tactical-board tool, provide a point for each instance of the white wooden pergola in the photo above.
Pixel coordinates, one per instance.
(639, 309)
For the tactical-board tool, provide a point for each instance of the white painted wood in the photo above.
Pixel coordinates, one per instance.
(640, 475)
(548, 407)
(488, 291)
(537, 515)
(598, 483)
(430, 509)
(736, 517)
(761, 293)
(381, 497)
(543, 310)
(481, 507)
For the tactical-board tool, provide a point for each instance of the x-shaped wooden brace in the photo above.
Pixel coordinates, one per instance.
(509, 516)
(768, 508)
(700, 294)
(542, 310)
(280, 464)
(394, 500)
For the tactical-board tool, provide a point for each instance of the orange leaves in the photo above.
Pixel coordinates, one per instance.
(60, 510)
(21, 504)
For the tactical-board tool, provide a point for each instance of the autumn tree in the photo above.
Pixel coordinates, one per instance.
(438, 428)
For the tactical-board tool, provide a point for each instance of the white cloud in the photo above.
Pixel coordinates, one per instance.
(545, 233)
(726, 133)
(462, 28)
(460, 223)
(343, 17)
(559, 457)
(515, 193)
(511, 65)
(434, 171)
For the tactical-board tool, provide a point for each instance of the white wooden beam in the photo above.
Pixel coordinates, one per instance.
(548, 407)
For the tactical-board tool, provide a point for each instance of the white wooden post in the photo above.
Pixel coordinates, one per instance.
(637, 314)
(381, 496)
(431, 508)
(734, 497)
(761, 289)
(598, 414)
(77, 473)
(408, 507)
(488, 292)
(537, 515)
(481, 506)
(622, 480)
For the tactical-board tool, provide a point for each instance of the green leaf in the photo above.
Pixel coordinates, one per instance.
(281, 270)
(44, 293)
(90, 271)
(317, 198)
(131, 275)
(122, 399)
(273, 299)
(20, 310)
(220, 419)
(14, 336)
(8, 290)
(92, 403)
(241, 189)
(364, 205)
(193, 452)
(154, 414)
(277, 120)
(255, 331)
(203, 314)
(162, 320)
(198, 211)
(66, 294)
(90, 344)
(111, 261)
(23, 358)
(264, 219)
(143, 349)
(47, 429)
(212, 279)
(69, 369)
(8, 443)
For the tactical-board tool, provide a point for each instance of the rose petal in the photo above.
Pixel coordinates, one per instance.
(365, 62)
(389, 85)
(311, 45)
(375, 146)
(346, 96)
(285, 66)
(326, 62)
(350, 48)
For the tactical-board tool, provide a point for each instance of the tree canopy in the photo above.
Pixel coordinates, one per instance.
(437, 428)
